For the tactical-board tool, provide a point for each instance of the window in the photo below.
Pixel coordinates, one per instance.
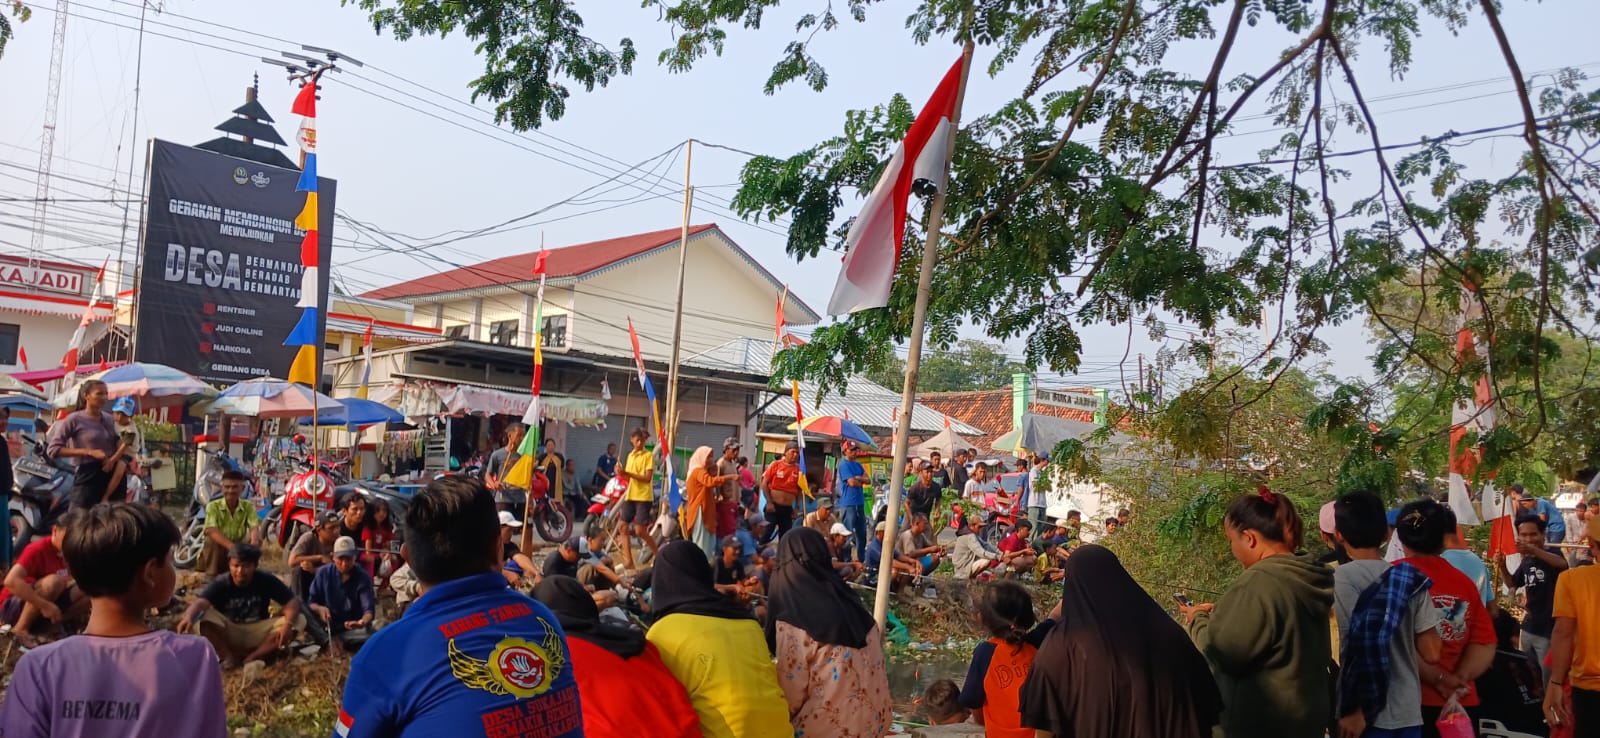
(503, 332)
(555, 331)
(455, 332)
(10, 338)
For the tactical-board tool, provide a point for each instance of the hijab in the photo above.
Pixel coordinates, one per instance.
(580, 617)
(1116, 663)
(701, 457)
(681, 583)
(807, 593)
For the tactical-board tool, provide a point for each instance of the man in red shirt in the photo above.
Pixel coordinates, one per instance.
(1017, 543)
(1465, 629)
(781, 482)
(39, 585)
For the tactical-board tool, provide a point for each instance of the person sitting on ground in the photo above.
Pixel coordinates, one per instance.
(1072, 527)
(1016, 542)
(905, 568)
(517, 566)
(229, 520)
(39, 592)
(124, 679)
(828, 649)
(231, 611)
(941, 702)
(917, 543)
(311, 552)
(568, 562)
(622, 682)
(447, 667)
(1112, 525)
(992, 689)
(971, 556)
(822, 519)
(747, 540)
(1051, 559)
(1536, 576)
(353, 516)
(405, 585)
(342, 595)
(766, 562)
(844, 554)
(377, 541)
(729, 572)
(715, 649)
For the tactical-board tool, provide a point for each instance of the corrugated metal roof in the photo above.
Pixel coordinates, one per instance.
(867, 403)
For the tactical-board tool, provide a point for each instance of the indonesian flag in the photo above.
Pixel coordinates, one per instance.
(1473, 414)
(872, 248)
(366, 356)
(342, 727)
(22, 355)
(69, 362)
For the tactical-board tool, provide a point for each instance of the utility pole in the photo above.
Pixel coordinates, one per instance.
(671, 429)
(47, 142)
(133, 153)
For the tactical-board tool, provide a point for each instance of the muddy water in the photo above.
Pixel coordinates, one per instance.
(912, 670)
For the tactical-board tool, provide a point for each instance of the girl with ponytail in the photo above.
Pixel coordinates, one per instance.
(1267, 638)
(1000, 664)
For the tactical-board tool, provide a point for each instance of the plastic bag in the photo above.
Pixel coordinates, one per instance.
(1453, 721)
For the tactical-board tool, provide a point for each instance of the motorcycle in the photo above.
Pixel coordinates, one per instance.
(309, 493)
(208, 488)
(42, 493)
(552, 520)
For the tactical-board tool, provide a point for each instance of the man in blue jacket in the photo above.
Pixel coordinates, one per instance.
(470, 656)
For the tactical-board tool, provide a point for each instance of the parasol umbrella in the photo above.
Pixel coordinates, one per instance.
(142, 379)
(833, 425)
(946, 443)
(10, 385)
(358, 413)
(267, 397)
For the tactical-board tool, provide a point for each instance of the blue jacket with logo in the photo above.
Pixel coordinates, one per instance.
(470, 658)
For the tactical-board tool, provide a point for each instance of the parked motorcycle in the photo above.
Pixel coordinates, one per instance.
(307, 494)
(208, 488)
(42, 493)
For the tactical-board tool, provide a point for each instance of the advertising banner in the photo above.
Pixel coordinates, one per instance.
(220, 264)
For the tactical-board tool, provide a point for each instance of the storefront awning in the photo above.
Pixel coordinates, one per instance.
(422, 399)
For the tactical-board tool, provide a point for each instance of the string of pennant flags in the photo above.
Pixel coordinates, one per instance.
(305, 333)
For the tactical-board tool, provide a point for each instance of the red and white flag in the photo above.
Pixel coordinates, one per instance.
(22, 355)
(69, 362)
(872, 248)
(1474, 415)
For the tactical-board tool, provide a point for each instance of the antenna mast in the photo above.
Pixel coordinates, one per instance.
(47, 143)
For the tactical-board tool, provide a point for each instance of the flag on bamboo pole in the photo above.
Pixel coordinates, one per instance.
(1476, 415)
(304, 370)
(674, 494)
(535, 413)
(799, 413)
(872, 246)
(366, 363)
(69, 360)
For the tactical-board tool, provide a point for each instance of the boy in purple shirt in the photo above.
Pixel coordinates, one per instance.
(116, 680)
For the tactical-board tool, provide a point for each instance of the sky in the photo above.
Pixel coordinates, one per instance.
(412, 156)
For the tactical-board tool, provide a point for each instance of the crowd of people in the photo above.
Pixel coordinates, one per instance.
(753, 623)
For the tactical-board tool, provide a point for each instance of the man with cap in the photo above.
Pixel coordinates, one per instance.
(728, 493)
(844, 560)
(822, 520)
(781, 482)
(517, 565)
(232, 613)
(904, 567)
(342, 595)
(852, 503)
(568, 561)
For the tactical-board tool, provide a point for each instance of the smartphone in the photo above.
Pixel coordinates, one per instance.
(1182, 599)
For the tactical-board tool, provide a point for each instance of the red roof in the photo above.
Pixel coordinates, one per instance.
(990, 411)
(568, 261)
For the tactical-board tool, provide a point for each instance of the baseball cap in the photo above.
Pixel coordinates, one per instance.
(732, 542)
(332, 517)
(825, 502)
(756, 520)
(1325, 518)
(345, 547)
(769, 553)
(838, 529)
(572, 544)
(883, 525)
(731, 442)
(506, 518)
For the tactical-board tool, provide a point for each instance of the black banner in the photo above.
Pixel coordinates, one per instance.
(220, 264)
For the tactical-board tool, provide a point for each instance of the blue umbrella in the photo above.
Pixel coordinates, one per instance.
(357, 412)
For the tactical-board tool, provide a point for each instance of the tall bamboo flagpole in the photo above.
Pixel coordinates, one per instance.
(919, 320)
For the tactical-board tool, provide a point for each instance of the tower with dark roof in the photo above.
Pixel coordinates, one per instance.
(252, 124)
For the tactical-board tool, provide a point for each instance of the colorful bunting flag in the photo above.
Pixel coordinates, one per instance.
(69, 361)
(305, 369)
(799, 413)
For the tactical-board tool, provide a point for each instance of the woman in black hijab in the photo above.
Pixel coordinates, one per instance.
(622, 681)
(830, 656)
(1116, 664)
(714, 648)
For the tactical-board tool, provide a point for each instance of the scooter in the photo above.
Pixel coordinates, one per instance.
(209, 488)
(42, 493)
(309, 493)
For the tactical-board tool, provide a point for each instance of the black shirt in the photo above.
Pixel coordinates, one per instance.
(246, 604)
(1538, 581)
(923, 497)
(557, 565)
(730, 574)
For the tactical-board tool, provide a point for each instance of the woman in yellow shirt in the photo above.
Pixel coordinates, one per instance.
(716, 649)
